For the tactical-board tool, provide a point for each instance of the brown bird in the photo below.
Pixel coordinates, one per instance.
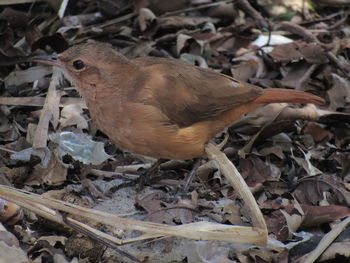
(159, 107)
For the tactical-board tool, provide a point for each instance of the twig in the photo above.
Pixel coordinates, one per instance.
(246, 7)
(189, 178)
(339, 22)
(198, 230)
(334, 2)
(109, 22)
(41, 27)
(299, 30)
(323, 19)
(247, 148)
(76, 225)
(6, 150)
(326, 241)
(50, 112)
(90, 232)
(199, 7)
(39, 101)
(62, 8)
(344, 68)
(9, 2)
(237, 182)
(306, 76)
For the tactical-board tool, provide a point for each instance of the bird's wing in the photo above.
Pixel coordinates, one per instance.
(188, 94)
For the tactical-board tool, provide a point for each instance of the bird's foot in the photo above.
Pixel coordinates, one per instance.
(189, 178)
(146, 176)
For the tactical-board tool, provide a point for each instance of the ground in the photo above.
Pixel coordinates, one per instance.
(294, 158)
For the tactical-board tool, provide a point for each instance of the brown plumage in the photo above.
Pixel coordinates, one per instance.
(160, 107)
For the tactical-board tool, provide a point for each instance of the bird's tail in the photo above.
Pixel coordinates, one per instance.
(286, 95)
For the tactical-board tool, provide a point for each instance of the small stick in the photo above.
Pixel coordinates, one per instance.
(234, 177)
(199, 230)
(247, 7)
(298, 30)
(50, 112)
(326, 241)
(190, 9)
(301, 31)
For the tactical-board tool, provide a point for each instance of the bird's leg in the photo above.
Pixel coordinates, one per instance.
(146, 176)
(189, 178)
(197, 162)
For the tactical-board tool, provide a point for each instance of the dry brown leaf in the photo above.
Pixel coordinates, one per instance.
(306, 164)
(339, 94)
(72, 114)
(54, 174)
(317, 215)
(248, 66)
(183, 40)
(180, 22)
(146, 18)
(53, 240)
(298, 50)
(208, 252)
(160, 7)
(67, 194)
(19, 77)
(12, 254)
(277, 225)
(255, 171)
(15, 174)
(7, 237)
(335, 250)
(294, 219)
(275, 150)
(162, 211)
(310, 191)
(317, 132)
(232, 214)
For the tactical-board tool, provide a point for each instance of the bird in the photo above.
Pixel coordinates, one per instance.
(160, 107)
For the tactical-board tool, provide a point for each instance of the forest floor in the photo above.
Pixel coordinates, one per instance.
(294, 158)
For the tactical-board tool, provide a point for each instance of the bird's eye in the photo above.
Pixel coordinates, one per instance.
(78, 64)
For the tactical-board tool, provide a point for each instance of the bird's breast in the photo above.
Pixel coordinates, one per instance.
(142, 129)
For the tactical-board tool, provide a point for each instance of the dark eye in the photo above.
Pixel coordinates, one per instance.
(78, 64)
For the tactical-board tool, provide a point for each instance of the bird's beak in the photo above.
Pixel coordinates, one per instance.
(52, 60)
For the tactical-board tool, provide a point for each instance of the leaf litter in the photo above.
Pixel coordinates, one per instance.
(295, 159)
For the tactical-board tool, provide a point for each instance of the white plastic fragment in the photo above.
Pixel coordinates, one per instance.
(273, 40)
(80, 147)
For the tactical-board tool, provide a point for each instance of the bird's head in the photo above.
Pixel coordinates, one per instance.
(88, 63)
